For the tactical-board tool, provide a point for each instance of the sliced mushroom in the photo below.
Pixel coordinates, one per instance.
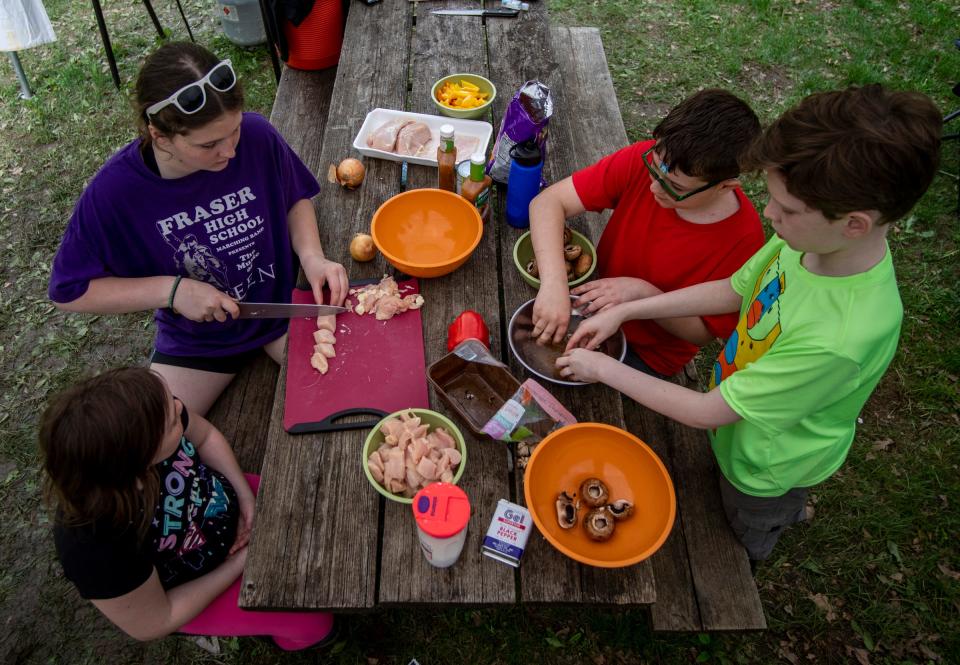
(567, 235)
(566, 511)
(532, 269)
(599, 524)
(572, 252)
(594, 493)
(621, 509)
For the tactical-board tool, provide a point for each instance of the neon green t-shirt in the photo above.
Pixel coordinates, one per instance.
(803, 360)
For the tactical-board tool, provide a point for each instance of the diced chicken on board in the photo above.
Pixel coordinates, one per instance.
(326, 350)
(328, 322)
(323, 336)
(319, 362)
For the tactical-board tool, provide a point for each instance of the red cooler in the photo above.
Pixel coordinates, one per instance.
(315, 43)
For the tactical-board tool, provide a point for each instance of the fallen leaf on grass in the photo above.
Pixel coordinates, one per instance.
(862, 656)
(929, 653)
(952, 574)
(785, 653)
(823, 603)
(882, 444)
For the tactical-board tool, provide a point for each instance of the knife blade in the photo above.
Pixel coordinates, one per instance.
(273, 310)
(492, 13)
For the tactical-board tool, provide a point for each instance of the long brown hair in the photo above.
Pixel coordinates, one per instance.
(98, 439)
(168, 69)
(863, 148)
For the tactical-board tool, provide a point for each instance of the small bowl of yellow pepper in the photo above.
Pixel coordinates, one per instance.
(463, 95)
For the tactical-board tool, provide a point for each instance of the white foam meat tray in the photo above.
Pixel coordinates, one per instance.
(377, 117)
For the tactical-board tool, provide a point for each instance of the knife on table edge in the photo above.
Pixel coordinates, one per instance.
(272, 310)
(492, 13)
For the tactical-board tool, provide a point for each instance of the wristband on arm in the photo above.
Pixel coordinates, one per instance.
(173, 292)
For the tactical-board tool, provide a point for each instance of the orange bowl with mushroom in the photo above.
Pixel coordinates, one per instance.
(632, 475)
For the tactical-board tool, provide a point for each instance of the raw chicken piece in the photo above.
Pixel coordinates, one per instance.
(325, 350)
(446, 476)
(412, 139)
(384, 137)
(384, 299)
(375, 464)
(324, 336)
(328, 322)
(465, 146)
(392, 426)
(427, 469)
(319, 363)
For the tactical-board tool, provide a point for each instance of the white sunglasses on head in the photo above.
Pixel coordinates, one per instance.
(192, 97)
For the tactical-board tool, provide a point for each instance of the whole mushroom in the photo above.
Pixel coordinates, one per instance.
(572, 252)
(566, 511)
(594, 493)
(532, 269)
(599, 524)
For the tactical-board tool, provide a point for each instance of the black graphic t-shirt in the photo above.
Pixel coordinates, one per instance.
(194, 525)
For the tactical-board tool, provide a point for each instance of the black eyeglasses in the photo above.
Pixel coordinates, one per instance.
(655, 173)
(192, 97)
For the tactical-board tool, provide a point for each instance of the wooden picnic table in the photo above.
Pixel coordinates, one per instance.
(323, 539)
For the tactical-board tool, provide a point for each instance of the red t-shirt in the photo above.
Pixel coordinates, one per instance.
(643, 239)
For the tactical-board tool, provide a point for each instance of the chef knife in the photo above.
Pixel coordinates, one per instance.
(492, 13)
(272, 310)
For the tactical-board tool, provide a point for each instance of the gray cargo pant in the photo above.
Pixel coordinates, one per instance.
(758, 521)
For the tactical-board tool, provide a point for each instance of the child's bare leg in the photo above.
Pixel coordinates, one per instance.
(196, 388)
(276, 348)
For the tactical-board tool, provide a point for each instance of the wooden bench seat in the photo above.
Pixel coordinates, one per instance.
(703, 580)
(243, 411)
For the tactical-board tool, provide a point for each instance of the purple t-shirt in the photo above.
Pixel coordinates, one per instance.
(228, 229)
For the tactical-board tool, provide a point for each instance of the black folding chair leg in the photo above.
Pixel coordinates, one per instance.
(153, 17)
(185, 22)
(106, 42)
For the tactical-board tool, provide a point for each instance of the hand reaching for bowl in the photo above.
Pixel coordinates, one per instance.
(602, 294)
(551, 314)
(582, 365)
(592, 331)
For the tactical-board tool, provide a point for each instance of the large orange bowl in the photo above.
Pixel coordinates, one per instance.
(631, 471)
(426, 232)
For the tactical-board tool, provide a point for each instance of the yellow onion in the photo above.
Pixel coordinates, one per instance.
(350, 173)
(362, 247)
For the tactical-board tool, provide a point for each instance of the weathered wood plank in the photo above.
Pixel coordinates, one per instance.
(242, 412)
(314, 546)
(442, 45)
(725, 589)
(555, 578)
(676, 606)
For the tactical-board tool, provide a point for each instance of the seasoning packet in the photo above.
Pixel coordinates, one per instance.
(527, 417)
(526, 117)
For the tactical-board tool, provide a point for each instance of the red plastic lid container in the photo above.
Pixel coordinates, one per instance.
(442, 510)
(316, 42)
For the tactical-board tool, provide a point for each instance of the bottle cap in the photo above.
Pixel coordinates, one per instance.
(526, 153)
(478, 158)
(446, 131)
(442, 510)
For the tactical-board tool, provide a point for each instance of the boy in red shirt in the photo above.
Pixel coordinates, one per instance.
(679, 218)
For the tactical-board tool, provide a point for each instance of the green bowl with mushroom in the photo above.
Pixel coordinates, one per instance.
(523, 254)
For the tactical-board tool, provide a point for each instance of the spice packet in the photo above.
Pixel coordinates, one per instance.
(526, 117)
(527, 417)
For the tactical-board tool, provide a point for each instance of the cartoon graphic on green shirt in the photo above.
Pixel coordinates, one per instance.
(755, 332)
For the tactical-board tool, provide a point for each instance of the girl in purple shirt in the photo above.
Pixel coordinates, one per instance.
(205, 209)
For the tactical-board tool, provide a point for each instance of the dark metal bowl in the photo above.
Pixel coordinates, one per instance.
(541, 359)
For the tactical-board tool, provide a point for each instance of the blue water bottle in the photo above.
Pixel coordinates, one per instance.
(523, 183)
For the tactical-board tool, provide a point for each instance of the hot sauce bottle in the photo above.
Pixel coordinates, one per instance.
(476, 188)
(447, 160)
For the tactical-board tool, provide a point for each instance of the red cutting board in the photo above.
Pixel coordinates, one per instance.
(379, 368)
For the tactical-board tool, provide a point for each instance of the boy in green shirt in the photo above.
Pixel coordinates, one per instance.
(820, 312)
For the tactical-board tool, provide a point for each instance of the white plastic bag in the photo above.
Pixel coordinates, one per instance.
(24, 23)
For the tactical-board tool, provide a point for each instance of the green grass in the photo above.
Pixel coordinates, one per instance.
(876, 570)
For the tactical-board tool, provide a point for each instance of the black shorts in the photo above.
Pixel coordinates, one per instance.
(219, 364)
